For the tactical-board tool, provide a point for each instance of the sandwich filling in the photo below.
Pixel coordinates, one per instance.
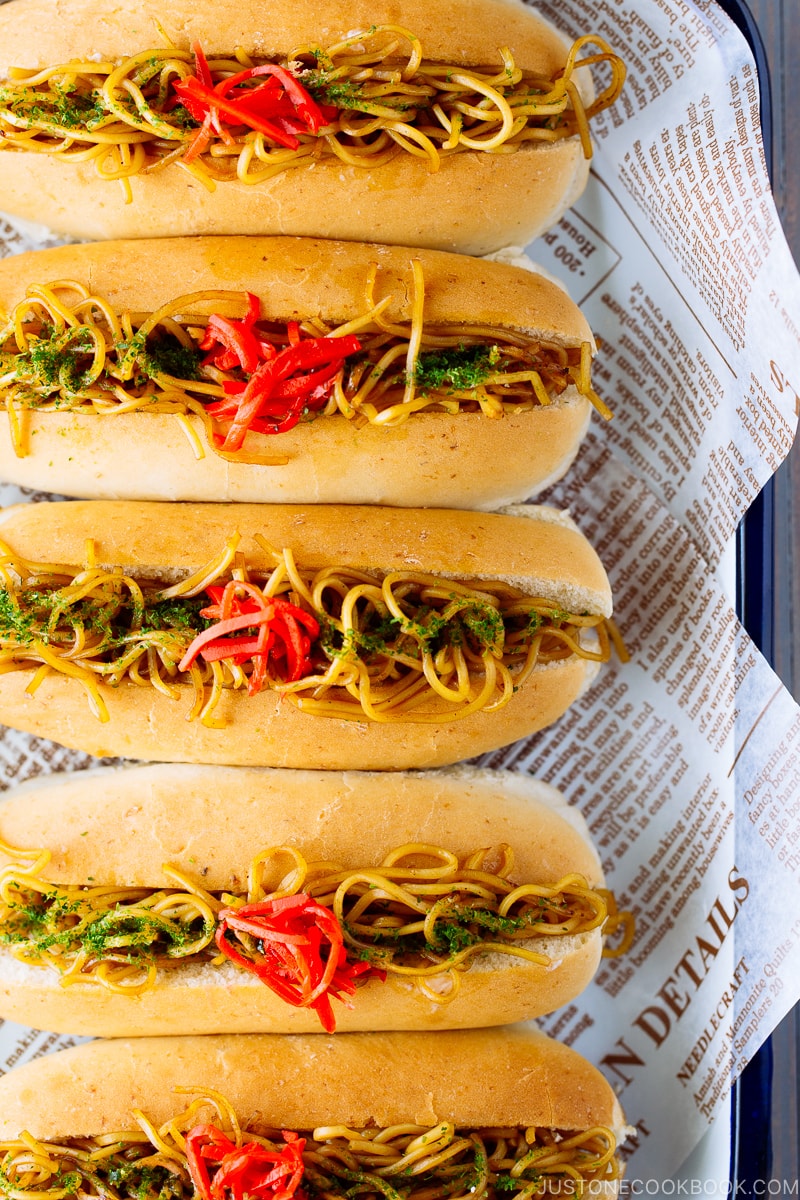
(64, 349)
(337, 642)
(311, 933)
(228, 116)
(204, 1152)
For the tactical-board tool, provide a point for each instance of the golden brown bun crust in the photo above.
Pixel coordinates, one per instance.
(207, 1000)
(146, 816)
(466, 461)
(543, 553)
(305, 278)
(207, 821)
(431, 459)
(503, 199)
(475, 1078)
(45, 32)
(266, 731)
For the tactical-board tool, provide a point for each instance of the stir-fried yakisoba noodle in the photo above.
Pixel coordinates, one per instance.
(337, 642)
(421, 913)
(188, 1156)
(64, 348)
(230, 116)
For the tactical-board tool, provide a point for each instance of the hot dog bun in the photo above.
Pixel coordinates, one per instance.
(513, 1078)
(475, 202)
(541, 552)
(464, 461)
(208, 817)
(118, 828)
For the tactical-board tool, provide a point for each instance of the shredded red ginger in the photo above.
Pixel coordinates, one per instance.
(268, 99)
(282, 384)
(279, 634)
(249, 1170)
(301, 954)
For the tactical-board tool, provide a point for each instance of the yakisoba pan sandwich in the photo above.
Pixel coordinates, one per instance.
(464, 130)
(277, 635)
(488, 1113)
(288, 369)
(186, 899)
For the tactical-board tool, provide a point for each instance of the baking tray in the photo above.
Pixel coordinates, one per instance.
(751, 1100)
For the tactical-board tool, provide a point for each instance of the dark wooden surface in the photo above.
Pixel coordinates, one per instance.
(779, 25)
